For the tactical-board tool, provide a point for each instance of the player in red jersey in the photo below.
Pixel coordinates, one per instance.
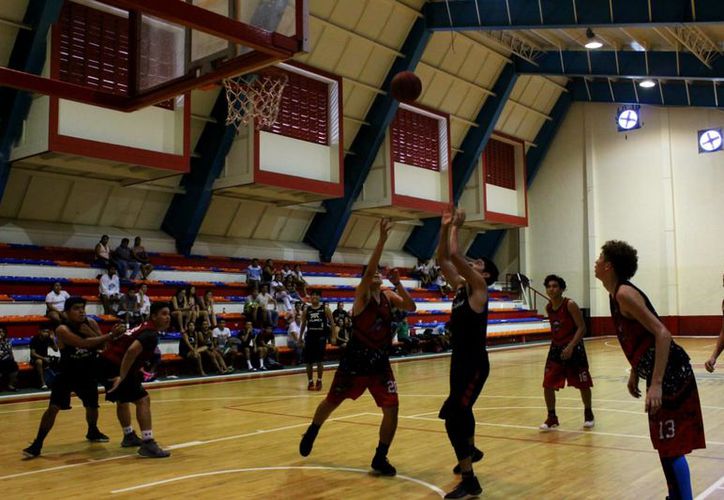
(672, 399)
(719, 347)
(365, 363)
(567, 360)
(469, 364)
(79, 338)
(120, 372)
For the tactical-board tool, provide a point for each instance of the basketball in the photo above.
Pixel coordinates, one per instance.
(406, 86)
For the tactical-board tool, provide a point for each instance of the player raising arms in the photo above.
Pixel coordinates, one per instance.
(78, 340)
(672, 399)
(120, 372)
(567, 360)
(469, 365)
(365, 364)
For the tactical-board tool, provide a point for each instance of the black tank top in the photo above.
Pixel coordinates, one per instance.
(468, 329)
(316, 320)
(76, 358)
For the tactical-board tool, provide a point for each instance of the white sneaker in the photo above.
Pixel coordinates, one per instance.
(589, 424)
(550, 424)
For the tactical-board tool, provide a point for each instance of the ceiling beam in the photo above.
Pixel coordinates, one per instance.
(669, 93)
(532, 14)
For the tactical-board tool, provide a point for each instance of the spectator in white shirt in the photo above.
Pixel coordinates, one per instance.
(55, 302)
(110, 290)
(102, 252)
(221, 335)
(280, 293)
(144, 302)
(294, 340)
(299, 281)
(253, 274)
(267, 306)
(287, 271)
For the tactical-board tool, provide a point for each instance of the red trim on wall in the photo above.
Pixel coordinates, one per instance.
(495, 216)
(285, 181)
(433, 207)
(677, 325)
(505, 219)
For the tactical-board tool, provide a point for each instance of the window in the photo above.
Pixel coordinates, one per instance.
(416, 139)
(499, 158)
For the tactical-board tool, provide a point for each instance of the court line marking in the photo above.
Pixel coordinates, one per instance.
(711, 489)
(528, 427)
(180, 445)
(573, 408)
(427, 485)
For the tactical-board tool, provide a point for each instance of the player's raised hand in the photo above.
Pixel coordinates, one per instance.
(447, 217)
(459, 217)
(385, 228)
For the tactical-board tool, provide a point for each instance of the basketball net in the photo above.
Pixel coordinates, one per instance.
(255, 97)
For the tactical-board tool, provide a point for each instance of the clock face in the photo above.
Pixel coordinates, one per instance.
(628, 119)
(710, 140)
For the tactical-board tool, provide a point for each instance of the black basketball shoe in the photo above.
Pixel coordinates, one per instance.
(467, 488)
(382, 466)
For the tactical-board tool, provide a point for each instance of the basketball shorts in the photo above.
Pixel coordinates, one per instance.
(314, 347)
(382, 386)
(129, 391)
(572, 371)
(467, 379)
(82, 383)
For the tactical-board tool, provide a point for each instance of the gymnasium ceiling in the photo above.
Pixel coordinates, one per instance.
(358, 40)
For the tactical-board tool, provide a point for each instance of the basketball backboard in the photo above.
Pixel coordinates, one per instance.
(164, 48)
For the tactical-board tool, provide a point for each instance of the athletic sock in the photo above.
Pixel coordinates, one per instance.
(128, 430)
(147, 435)
(248, 364)
(382, 450)
(261, 363)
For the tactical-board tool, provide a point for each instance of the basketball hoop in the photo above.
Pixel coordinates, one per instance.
(255, 97)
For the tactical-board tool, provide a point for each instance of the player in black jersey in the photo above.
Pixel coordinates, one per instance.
(469, 366)
(78, 338)
(317, 320)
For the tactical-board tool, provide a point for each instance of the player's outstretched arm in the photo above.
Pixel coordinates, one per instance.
(400, 298)
(443, 252)
(67, 337)
(476, 280)
(363, 289)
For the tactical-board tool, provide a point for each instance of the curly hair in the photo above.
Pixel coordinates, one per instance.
(623, 257)
(554, 277)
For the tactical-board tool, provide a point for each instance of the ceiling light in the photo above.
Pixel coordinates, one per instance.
(593, 42)
(647, 84)
(636, 46)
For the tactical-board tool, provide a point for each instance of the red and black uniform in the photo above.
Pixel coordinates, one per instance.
(469, 369)
(573, 370)
(131, 388)
(315, 334)
(677, 428)
(365, 363)
(76, 373)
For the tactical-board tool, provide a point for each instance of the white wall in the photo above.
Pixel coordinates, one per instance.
(648, 187)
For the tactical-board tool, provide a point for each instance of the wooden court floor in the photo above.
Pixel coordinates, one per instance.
(239, 439)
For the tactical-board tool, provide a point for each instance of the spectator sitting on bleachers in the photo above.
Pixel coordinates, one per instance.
(402, 330)
(343, 321)
(189, 348)
(284, 302)
(206, 308)
(102, 252)
(8, 366)
(212, 352)
(39, 358)
(247, 344)
(291, 290)
(253, 274)
(266, 346)
(129, 310)
(439, 281)
(287, 271)
(221, 335)
(194, 302)
(267, 306)
(144, 302)
(267, 273)
(252, 310)
(55, 302)
(294, 340)
(123, 257)
(110, 290)
(141, 257)
(180, 309)
(423, 272)
(299, 281)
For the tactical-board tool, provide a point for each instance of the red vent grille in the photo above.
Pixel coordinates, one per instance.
(499, 160)
(416, 140)
(93, 48)
(304, 110)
